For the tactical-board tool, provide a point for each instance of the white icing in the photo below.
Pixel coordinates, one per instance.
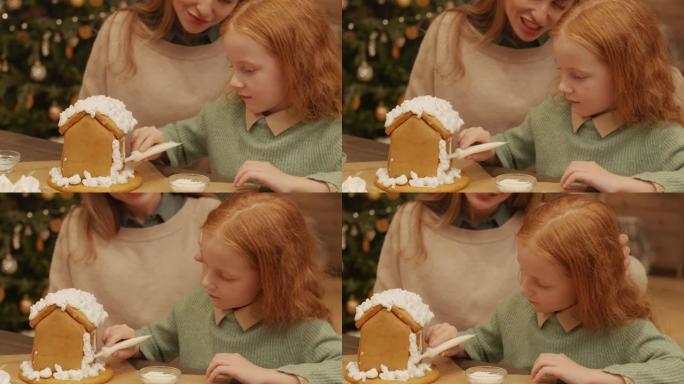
(83, 301)
(112, 108)
(25, 184)
(117, 173)
(4, 377)
(188, 185)
(514, 185)
(485, 378)
(413, 369)
(155, 377)
(7, 164)
(436, 107)
(354, 184)
(408, 301)
(357, 374)
(444, 174)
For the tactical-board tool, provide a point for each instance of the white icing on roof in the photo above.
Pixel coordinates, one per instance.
(112, 108)
(83, 301)
(436, 107)
(408, 301)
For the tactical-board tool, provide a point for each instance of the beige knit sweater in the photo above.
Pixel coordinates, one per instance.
(172, 81)
(142, 272)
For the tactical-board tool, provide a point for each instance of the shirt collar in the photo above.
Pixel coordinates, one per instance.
(605, 123)
(495, 220)
(247, 316)
(277, 122)
(169, 205)
(567, 318)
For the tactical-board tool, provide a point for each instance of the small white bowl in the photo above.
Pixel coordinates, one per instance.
(188, 182)
(515, 182)
(486, 375)
(159, 375)
(8, 160)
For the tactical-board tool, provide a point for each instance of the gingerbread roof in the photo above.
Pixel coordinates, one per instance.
(80, 305)
(429, 120)
(441, 113)
(115, 110)
(105, 121)
(407, 306)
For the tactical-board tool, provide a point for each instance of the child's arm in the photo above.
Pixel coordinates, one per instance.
(225, 366)
(592, 174)
(558, 366)
(163, 345)
(116, 333)
(273, 178)
(440, 333)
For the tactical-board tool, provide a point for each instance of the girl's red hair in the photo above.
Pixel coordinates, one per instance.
(272, 232)
(625, 35)
(580, 233)
(297, 33)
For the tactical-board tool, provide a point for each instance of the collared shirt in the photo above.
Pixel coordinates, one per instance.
(247, 316)
(178, 36)
(495, 220)
(278, 122)
(604, 123)
(568, 318)
(169, 205)
(508, 39)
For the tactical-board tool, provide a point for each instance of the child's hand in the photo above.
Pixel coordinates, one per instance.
(439, 333)
(116, 333)
(550, 367)
(226, 366)
(145, 137)
(265, 174)
(476, 135)
(592, 174)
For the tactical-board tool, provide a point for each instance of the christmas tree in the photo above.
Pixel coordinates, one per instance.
(365, 220)
(380, 43)
(44, 49)
(29, 225)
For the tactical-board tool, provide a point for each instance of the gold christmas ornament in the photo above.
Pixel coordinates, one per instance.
(13, 5)
(381, 112)
(77, 3)
(412, 32)
(54, 111)
(423, 3)
(403, 3)
(365, 245)
(382, 225)
(9, 265)
(356, 102)
(85, 32)
(365, 72)
(352, 303)
(25, 305)
(55, 225)
(396, 52)
(38, 71)
(95, 3)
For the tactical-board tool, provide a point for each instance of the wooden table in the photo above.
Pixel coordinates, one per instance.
(365, 156)
(15, 348)
(39, 155)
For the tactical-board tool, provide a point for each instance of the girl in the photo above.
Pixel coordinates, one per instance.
(162, 58)
(617, 107)
(131, 250)
(280, 126)
(442, 245)
(260, 317)
(576, 318)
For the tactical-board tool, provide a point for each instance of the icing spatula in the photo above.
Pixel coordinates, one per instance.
(137, 156)
(462, 153)
(105, 352)
(432, 352)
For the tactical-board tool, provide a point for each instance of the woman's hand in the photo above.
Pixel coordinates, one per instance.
(476, 135)
(145, 137)
(274, 179)
(592, 174)
(116, 333)
(550, 367)
(226, 366)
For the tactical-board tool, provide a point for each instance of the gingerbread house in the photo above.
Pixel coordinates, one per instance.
(65, 324)
(391, 324)
(420, 131)
(94, 131)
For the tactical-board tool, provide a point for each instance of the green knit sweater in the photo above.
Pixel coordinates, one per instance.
(650, 152)
(308, 149)
(310, 349)
(636, 350)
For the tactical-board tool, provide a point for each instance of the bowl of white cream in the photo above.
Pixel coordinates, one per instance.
(8, 160)
(188, 182)
(159, 375)
(515, 182)
(486, 375)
